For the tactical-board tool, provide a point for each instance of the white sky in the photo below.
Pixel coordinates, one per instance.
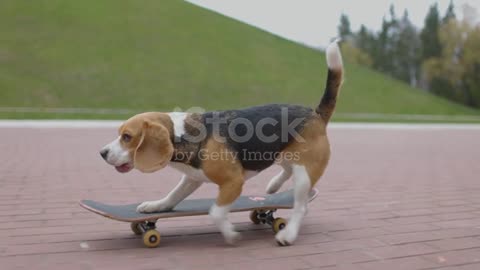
(314, 22)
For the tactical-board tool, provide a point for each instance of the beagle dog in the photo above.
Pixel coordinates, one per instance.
(229, 147)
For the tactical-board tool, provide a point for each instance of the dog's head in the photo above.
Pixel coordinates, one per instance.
(144, 143)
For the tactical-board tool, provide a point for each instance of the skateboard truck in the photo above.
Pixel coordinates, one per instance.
(265, 216)
(150, 236)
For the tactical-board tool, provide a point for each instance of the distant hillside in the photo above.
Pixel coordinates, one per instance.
(145, 55)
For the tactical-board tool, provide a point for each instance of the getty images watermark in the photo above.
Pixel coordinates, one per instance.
(241, 130)
(205, 154)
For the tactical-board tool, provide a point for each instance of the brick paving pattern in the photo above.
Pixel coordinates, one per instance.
(390, 199)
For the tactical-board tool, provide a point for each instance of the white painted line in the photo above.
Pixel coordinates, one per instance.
(59, 124)
(334, 126)
(66, 110)
(409, 117)
(401, 126)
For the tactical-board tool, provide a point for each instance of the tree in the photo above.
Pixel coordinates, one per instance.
(356, 55)
(445, 54)
(380, 55)
(406, 52)
(344, 29)
(365, 40)
(349, 48)
(472, 62)
(431, 46)
(385, 43)
(450, 13)
(459, 64)
(393, 17)
(471, 57)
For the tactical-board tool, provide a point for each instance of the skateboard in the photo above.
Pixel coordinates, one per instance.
(262, 209)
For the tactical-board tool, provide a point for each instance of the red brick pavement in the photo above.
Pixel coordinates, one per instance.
(390, 200)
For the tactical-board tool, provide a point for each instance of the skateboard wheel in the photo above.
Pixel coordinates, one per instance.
(151, 238)
(254, 217)
(278, 224)
(135, 229)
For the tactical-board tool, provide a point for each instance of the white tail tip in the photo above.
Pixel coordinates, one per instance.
(334, 57)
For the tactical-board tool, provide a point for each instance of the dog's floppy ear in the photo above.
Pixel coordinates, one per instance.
(154, 150)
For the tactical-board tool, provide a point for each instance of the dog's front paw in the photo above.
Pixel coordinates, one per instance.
(154, 206)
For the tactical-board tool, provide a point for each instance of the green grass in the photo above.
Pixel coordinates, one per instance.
(162, 55)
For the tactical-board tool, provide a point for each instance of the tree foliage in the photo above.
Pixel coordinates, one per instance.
(450, 14)
(344, 29)
(431, 46)
(356, 55)
(459, 63)
(443, 58)
(407, 49)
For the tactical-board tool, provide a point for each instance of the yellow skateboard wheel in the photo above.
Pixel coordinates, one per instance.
(278, 224)
(135, 229)
(151, 238)
(254, 217)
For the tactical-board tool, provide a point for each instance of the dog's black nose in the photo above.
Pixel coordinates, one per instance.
(104, 153)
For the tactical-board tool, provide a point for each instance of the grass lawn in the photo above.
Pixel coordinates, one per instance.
(162, 55)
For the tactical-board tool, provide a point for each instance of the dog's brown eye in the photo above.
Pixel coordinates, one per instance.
(126, 138)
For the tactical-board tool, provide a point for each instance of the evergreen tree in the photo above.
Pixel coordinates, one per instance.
(431, 46)
(393, 17)
(365, 40)
(432, 49)
(383, 57)
(450, 13)
(344, 29)
(406, 53)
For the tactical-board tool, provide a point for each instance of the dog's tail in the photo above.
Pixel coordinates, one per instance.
(334, 82)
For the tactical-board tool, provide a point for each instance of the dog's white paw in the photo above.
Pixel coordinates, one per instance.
(286, 237)
(232, 237)
(154, 206)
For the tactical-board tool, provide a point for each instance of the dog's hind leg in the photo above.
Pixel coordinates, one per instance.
(277, 181)
(301, 190)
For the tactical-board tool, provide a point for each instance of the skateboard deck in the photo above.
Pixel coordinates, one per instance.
(262, 212)
(193, 207)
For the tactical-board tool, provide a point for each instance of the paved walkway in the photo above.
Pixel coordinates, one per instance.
(391, 199)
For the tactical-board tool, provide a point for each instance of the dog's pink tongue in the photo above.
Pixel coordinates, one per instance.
(123, 168)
